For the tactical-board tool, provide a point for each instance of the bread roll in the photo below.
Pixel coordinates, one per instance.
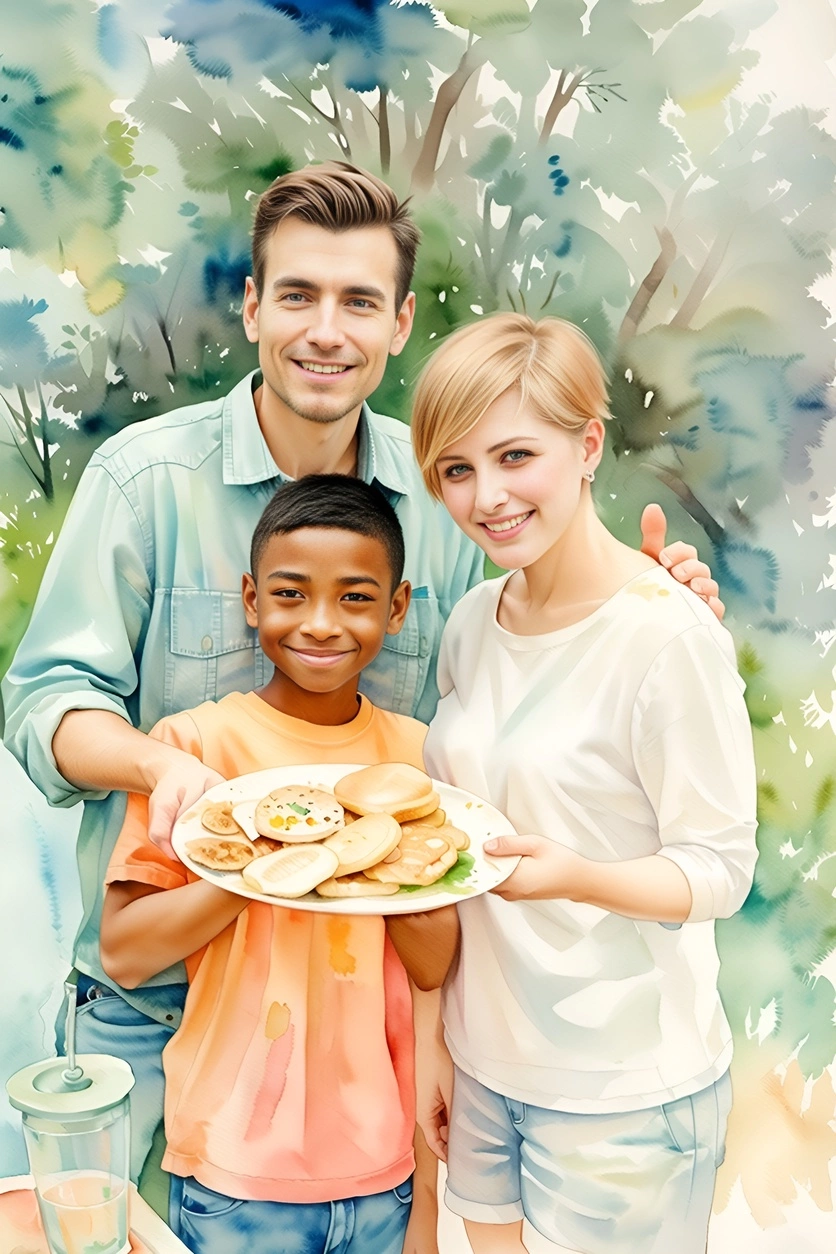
(394, 788)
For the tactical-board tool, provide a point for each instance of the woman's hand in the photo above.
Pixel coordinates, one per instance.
(680, 559)
(545, 869)
(652, 887)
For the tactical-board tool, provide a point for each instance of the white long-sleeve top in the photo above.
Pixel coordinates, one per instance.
(620, 736)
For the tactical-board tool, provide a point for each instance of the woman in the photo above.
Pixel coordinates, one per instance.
(595, 701)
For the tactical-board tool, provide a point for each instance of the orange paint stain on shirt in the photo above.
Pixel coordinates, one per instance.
(343, 962)
(278, 1021)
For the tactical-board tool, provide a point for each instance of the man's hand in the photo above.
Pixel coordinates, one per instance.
(682, 560)
(545, 869)
(182, 784)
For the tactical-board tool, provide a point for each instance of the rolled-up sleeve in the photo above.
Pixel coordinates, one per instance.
(88, 623)
(692, 746)
(135, 858)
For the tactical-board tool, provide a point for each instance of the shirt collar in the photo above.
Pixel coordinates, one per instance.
(247, 459)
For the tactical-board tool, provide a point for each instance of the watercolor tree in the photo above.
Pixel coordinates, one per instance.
(596, 162)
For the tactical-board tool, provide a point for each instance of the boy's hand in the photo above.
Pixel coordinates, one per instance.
(180, 786)
(545, 870)
(434, 1095)
(682, 560)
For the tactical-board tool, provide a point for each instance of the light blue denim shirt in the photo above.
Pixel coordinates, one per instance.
(140, 607)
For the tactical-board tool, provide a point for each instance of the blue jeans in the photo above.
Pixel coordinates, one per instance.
(211, 1223)
(106, 1024)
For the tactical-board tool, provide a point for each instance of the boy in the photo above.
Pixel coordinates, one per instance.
(289, 1102)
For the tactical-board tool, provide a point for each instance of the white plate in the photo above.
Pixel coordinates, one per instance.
(475, 871)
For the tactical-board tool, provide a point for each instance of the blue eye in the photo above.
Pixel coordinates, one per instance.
(515, 455)
(456, 472)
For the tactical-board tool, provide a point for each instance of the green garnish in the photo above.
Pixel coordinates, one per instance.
(453, 881)
(303, 810)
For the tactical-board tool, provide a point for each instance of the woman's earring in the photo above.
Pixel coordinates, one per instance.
(589, 475)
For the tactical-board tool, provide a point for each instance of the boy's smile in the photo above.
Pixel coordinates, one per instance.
(322, 604)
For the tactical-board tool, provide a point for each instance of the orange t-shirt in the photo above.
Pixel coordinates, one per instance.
(291, 1077)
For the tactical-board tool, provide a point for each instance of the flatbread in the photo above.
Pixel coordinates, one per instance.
(364, 842)
(292, 871)
(460, 839)
(217, 818)
(220, 853)
(422, 856)
(355, 886)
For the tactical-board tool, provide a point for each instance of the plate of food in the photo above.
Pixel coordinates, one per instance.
(344, 839)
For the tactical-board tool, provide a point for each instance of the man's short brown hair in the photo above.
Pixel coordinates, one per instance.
(338, 197)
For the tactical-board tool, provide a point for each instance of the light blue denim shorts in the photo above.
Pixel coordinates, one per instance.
(639, 1182)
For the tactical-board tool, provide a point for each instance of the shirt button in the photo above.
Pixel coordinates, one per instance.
(206, 643)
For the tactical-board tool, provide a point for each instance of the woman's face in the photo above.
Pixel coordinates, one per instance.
(514, 482)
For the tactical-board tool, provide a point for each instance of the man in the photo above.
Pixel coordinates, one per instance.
(139, 614)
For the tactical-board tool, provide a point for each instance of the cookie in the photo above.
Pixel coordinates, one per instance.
(355, 886)
(422, 856)
(394, 788)
(218, 818)
(220, 853)
(364, 842)
(298, 813)
(292, 871)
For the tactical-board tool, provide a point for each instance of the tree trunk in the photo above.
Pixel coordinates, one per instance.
(560, 99)
(704, 279)
(46, 456)
(383, 123)
(712, 528)
(423, 175)
(643, 297)
(22, 428)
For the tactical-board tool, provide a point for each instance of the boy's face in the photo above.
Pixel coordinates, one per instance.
(322, 604)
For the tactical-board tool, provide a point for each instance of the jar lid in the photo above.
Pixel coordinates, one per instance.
(46, 1088)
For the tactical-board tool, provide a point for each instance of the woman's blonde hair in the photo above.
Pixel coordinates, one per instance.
(553, 364)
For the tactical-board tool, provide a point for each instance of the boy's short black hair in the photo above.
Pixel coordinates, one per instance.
(340, 501)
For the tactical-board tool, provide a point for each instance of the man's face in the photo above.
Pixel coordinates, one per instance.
(326, 321)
